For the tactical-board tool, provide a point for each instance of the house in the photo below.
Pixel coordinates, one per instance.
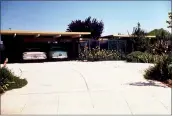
(121, 43)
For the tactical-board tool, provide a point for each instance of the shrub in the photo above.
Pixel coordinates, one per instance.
(145, 57)
(134, 56)
(9, 81)
(96, 54)
(162, 71)
(161, 46)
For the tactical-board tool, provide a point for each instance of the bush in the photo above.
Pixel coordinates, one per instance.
(161, 45)
(162, 71)
(133, 57)
(9, 81)
(96, 54)
(145, 57)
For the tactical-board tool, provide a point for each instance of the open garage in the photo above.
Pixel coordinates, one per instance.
(18, 42)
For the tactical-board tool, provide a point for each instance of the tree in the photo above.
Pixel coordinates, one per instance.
(170, 20)
(162, 43)
(138, 32)
(88, 25)
(139, 41)
(160, 32)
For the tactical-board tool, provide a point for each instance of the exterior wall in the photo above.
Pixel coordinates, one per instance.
(122, 45)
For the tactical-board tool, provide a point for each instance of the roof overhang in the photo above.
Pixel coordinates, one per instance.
(39, 33)
(124, 36)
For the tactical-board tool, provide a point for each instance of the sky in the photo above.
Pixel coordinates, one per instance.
(118, 16)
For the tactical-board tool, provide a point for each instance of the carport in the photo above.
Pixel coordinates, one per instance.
(15, 42)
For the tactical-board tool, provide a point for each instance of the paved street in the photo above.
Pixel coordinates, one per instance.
(109, 87)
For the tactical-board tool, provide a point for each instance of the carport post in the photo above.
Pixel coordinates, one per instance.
(1, 47)
(89, 44)
(74, 50)
(79, 50)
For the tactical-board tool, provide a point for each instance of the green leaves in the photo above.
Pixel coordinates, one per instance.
(96, 54)
(159, 32)
(138, 32)
(162, 71)
(145, 57)
(88, 25)
(9, 81)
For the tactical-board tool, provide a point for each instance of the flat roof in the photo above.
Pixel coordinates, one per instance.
(42, 33)
(107, 36)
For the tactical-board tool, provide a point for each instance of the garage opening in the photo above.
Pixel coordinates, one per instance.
(22, 45)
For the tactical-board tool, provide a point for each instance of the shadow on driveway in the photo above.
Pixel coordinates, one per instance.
(149, 83)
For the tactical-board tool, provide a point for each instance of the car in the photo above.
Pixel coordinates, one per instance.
(58, 53)
(34, 54)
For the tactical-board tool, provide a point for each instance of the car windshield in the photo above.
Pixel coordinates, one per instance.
(56, 48)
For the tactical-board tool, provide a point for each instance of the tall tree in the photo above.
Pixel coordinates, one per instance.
(138, 32)
(139, 41)
(88, 25)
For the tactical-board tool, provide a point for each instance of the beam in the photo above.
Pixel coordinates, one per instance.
(76, 36)
(37, 35)
(102, 39)
(57, 36)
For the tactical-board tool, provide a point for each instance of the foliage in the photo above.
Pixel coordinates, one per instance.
(162, 43)
(133, 57)
(170, 20)
(96, 54)
(161, 47)
(138, 31)
(162, 71)
(9, 81)
(88, 25)
(139, 41)
(145, 57)
(159, 32)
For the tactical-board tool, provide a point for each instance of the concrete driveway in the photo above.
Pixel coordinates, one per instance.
(110, 87)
